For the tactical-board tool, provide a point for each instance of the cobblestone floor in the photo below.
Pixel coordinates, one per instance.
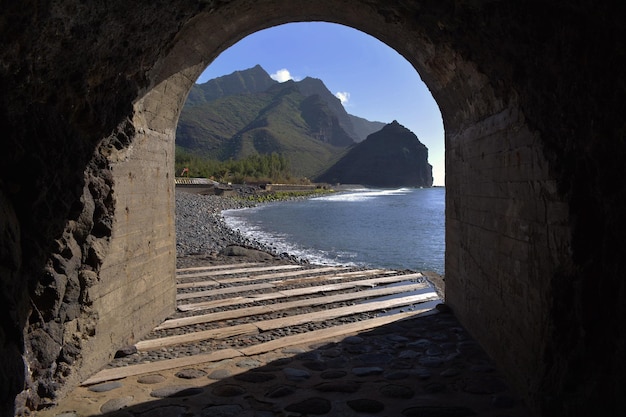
(424, 366)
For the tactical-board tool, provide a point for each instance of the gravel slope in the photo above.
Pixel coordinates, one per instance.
(201, 229)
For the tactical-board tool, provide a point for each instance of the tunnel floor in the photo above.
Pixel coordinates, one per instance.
(278, 339)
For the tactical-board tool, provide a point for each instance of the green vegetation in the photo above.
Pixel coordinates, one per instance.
(273, 167)
(208, 129)
(240, 126)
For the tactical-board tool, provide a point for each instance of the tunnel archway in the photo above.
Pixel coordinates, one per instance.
(381, 86)
(477, 114)
(530, 176)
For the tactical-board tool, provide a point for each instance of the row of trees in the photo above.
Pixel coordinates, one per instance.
(272, 167)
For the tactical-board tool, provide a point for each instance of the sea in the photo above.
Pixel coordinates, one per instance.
(400, 228)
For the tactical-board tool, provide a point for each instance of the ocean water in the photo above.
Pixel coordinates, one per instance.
(400, 229)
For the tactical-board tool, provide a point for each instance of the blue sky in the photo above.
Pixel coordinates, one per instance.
(373, 80)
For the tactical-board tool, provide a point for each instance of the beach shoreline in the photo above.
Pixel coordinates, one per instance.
(202, 232)
(202, 235)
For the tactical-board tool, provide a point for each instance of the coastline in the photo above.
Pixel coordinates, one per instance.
(202, 234)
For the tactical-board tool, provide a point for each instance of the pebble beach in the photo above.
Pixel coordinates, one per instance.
(202, 231)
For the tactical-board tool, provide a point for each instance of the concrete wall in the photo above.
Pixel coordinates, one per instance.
(506, 232)
(136, 289)
(113, 277)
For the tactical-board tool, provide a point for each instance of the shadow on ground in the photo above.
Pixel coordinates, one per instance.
(426, 366)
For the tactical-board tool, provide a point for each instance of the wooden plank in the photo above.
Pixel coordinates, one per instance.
(333, 277)
(225, 290)
(213, 267)
(343, 330)
(366, 273)
(221, 333)
(372, 282)
(148, 368)
(198, 284)
(333, 313)
(251, 311)
(266, 325)
(205, 305)
(242, 270)
(218, 280)
(307, 271)
(298, 291)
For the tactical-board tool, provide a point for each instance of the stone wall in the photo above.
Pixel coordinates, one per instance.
(87, 252)
(135, 288)
(531, 95)
(556, 274)
(109, 278)
(506, 231)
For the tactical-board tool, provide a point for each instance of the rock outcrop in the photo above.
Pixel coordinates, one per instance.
(391, 157)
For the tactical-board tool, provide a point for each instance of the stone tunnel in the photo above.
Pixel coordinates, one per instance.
(532, 97)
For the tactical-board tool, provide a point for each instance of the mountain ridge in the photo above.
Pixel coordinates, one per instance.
(257, 80)
(247, 113)
(251, 80)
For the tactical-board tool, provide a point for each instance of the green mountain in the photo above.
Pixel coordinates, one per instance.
(247, 113)
(315, 87)
(391, 157)
(252, 80)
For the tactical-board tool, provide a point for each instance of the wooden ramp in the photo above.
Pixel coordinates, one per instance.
(225, 311)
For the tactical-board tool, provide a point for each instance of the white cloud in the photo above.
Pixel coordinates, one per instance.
(343, 96)
(282, 75)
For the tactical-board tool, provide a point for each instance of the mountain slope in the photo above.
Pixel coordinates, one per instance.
(391, 157)
(247, 113)
(252, 80)
(323, 122)
(313, 86)
(278, 119)
(278, 126)
(205, 129)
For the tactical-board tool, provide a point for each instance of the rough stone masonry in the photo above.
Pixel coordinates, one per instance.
(531, 95)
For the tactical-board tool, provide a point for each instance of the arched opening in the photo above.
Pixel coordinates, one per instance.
(373, 80)
(467, 100)
(463, 93)
(87, 230)
(377, 86)
(474, 116)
